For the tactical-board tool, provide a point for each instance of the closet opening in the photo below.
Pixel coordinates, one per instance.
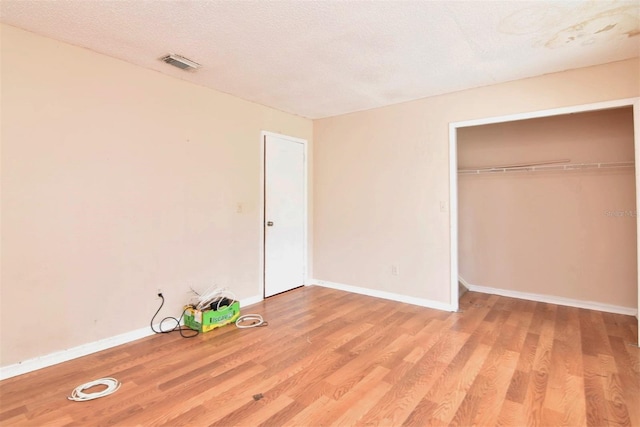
(544, 206)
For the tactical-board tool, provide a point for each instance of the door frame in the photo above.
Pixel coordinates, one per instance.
(262, 205)
(453, 172)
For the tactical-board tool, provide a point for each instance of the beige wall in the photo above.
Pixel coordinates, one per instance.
(570, 234)
(380, 176)
(117, 181)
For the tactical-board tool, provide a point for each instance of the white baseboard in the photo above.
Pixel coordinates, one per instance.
(251, 300)
(385, 295)
(590, 305)
(51, 359)
(72, 353)
(464, 282)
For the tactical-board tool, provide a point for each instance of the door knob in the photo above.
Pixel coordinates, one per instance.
(269, 223)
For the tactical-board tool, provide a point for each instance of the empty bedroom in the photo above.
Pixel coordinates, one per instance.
(269, 213)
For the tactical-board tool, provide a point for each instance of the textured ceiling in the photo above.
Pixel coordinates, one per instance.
(325, 58)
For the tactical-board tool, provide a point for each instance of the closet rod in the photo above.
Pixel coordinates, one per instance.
(549, 166)
(521, 165)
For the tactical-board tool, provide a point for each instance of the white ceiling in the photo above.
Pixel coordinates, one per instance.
(325, 58)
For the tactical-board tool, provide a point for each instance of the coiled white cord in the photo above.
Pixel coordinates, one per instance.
(256, 320)
(203, 301)
(78, 395)
(227, 294)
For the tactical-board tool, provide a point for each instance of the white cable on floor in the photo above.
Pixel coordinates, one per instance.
(78, 395)
(255, 318)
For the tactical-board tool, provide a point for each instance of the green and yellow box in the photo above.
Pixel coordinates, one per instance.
(208, 320)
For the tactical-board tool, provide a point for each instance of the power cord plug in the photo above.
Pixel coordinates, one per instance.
(178, 326)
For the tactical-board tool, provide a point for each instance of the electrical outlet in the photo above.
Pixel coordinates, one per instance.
(159, 292)
(395, 271)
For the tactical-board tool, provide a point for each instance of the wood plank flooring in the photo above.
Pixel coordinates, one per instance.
(334, 358)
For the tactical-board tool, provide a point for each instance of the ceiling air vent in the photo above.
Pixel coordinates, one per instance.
(180, 62)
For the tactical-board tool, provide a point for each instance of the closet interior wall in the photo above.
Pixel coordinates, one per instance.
(562, 233)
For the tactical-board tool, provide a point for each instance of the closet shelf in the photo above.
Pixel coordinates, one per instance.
(548, 168)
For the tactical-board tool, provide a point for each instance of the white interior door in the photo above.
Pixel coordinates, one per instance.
(284, 215)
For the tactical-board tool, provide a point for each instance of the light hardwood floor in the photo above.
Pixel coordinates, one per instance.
(334, 358)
